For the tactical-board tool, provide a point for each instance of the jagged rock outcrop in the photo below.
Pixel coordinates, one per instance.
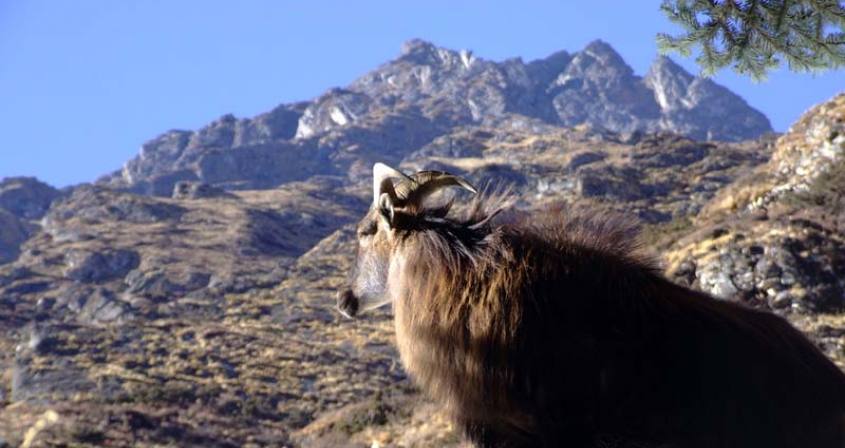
(338, 107)
(196, 190)
(814, 148)
(594, 86)
(699, 107)
(184, 155)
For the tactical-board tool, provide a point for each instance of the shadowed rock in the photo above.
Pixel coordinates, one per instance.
(91, 267)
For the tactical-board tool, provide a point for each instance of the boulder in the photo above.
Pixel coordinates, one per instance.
(88, 304)
(197, 190)
(158, 284)
(91, 267)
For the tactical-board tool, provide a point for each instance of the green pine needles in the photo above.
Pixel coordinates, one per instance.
(753, 35)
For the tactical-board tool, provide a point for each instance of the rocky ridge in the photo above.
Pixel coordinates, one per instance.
(421, 95)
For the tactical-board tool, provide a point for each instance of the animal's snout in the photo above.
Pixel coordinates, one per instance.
(347, 303)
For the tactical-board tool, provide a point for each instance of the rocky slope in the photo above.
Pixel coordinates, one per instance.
(200, 312)
(776, 235)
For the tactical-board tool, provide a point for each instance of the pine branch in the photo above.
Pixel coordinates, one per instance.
(749, 34)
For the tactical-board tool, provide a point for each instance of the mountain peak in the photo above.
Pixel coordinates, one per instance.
(598, 59)
(417, 45)
(419, 51)
(599, 46)
(602, 50)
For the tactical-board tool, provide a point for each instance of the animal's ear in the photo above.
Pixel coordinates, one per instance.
(385, 208)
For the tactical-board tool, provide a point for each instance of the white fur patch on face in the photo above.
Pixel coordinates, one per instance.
(370, 282)
(395, 279)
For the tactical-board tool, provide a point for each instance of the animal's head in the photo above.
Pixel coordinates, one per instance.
(396, 208)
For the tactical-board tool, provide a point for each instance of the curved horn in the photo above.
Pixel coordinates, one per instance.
(424, 183)
(381, 180)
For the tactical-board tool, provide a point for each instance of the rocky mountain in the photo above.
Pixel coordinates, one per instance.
(189, 298)
(421, 95)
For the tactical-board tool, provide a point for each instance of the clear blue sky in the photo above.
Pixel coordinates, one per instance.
(84, 83)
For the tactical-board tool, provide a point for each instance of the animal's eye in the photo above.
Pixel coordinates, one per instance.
(367, 230)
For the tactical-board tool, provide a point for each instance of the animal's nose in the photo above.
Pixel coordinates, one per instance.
(347, 303)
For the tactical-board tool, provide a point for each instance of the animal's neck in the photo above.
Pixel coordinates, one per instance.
(458, 286)
(451, 299)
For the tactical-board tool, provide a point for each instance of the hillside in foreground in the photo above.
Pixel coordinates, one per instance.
(188, 299)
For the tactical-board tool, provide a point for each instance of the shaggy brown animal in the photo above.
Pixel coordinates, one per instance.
(553, 332)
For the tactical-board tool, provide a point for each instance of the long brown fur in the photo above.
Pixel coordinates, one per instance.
(554, 332)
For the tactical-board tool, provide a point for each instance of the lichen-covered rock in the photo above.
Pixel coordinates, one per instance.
(103, 307)
(811, 152)
(812, 147)
(794, 266)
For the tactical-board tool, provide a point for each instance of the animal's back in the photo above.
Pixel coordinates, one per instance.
(669, 363)
(718, 374)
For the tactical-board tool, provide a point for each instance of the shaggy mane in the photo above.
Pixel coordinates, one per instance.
(466, 228)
